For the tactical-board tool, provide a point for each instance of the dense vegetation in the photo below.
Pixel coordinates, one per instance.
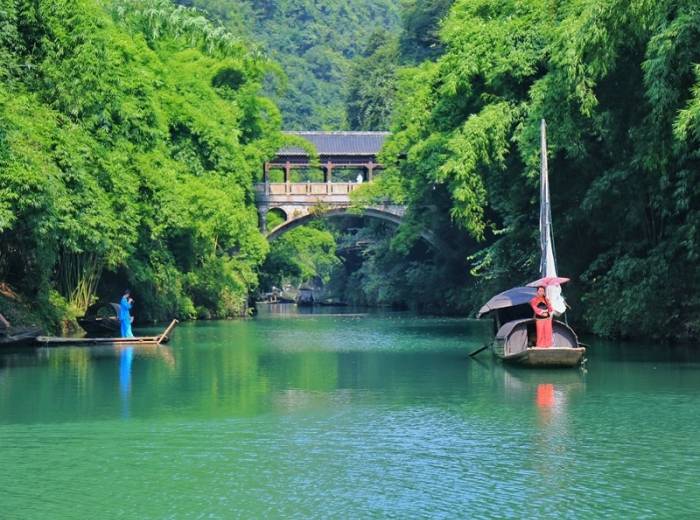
(305, 254)
(619, 85)
(130, 134)
(385, 270)
(314, 43)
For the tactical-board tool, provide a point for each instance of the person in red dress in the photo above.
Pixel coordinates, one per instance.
(543, 318)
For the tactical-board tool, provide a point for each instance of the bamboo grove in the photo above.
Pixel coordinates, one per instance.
(130, 133)
(619, 85)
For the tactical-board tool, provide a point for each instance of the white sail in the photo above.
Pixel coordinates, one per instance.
(548, 266)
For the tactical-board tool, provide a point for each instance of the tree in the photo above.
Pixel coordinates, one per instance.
(130, 136)
(617, 85)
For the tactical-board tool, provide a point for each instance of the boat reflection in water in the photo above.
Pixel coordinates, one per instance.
(551, 403)
(552, 394)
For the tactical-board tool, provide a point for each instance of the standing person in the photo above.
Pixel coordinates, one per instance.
(359, 178)
(543, 318)
(124, 316)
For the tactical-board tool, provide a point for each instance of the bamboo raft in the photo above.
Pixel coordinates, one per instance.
(138, 340)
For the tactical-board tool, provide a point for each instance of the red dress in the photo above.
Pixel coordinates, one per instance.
(543, 321)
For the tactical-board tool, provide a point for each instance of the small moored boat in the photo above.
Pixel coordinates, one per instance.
(513, 317)
(11, 336)
(514, 342)
(101, 318)
(305, 298)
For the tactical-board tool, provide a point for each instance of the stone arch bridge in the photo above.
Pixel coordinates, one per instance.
(298, 209)
(347, 159)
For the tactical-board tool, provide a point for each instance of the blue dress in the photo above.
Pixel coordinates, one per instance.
(125, 318)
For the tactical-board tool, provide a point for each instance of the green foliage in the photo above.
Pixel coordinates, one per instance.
(315, 44)
(381, 270)
(421, 20)
(618, 85)
(130, 135)
(300, 255)
(372, 84)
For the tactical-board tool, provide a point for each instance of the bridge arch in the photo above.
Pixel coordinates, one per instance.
(377, 213)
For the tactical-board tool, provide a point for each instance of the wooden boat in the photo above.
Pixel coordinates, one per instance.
(513, 318)
(139, 340)
(11, 336)
(101, 318)
(18, 336)
(514, 343)
(305, 298)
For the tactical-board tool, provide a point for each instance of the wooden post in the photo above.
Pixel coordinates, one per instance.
(164, 336)
(370, 170)
(329, 172)
(287, 176)
(263, 219)
(4, 324)
(266, 178)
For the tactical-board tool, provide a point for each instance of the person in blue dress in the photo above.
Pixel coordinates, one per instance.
(124, 316)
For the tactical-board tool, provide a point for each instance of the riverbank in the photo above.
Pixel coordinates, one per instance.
(21, 313)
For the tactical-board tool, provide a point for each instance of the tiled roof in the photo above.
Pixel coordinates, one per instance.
(340, 143)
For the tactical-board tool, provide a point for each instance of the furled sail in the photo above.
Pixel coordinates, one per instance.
(548, 266)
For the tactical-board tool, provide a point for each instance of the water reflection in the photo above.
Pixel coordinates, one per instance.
(126, 357)
(551, 410)
(550, 392)
(236, 416)
(45, 384)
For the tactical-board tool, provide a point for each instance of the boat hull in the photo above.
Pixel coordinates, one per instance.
(19, 337)
(515, 339)
(100, 325)
(548, 357)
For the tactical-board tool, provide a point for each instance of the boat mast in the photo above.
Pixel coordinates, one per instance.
(548, 265)
(547, 262)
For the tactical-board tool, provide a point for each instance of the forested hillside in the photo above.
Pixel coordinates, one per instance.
(314, 43)
(130, 133)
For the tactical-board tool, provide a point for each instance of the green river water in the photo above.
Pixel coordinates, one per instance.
(357, 416)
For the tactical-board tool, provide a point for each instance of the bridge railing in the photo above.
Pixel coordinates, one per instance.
(306, 188)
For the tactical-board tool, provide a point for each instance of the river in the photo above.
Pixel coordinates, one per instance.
(346, 416)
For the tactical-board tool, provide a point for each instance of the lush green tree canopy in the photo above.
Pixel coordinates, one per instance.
(314, 43)
(130, 134)
(301, 255)
(372, 84)
(617, 83)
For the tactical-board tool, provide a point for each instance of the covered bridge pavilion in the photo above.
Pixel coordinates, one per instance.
(346, 150)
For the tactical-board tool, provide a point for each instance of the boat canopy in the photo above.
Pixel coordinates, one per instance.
(509, 298)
